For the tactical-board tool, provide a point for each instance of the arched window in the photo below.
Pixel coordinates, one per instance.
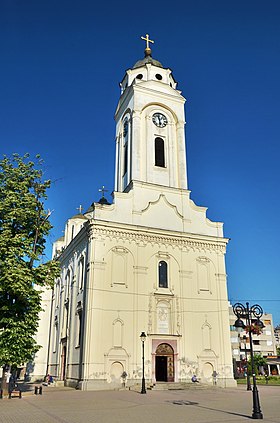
(67, 285)
(125, 159)
(125, 140)
(81, 273)
(159, 152)
(162, 274)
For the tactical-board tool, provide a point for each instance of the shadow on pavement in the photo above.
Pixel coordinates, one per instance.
(196, 404)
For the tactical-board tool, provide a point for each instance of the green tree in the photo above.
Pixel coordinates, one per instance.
(278, 351)
(24, 225)
(259, 362)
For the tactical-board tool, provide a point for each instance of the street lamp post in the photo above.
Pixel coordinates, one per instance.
(248, 313)
(143, 339)
(249, 388)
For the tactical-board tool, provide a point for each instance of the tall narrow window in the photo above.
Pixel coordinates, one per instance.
(81, 273)
(125, 152)
(162, 274)
(125, 159)
(80, 328)
(159, 152)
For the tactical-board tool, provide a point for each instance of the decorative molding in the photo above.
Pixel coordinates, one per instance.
(162, 196)
(162, 240)
(163, 255)
(188, 274)
(203, 259)
(120, 250)
(221, 276)
(178, 315)
(140, 270)
(98, 264)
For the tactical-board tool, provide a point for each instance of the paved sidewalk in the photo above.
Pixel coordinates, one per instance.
(213, 405)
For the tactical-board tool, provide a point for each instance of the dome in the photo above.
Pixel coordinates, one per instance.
(147, 59)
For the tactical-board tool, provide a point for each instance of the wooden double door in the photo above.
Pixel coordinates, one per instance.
(164, 363)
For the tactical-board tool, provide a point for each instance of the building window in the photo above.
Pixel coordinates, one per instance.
(159, 152)
(81, 274)
(67, 285)
(79, 328)
(79, 315)
(72, 232)
(162, 274)
(55, 336)
(256, 342)
(125, 159)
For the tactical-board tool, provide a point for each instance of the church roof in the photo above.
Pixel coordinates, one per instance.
(145, 60)
(103, 201)
(78, 216)
(60, 239)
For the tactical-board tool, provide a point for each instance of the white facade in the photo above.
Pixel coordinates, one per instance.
(151, 261)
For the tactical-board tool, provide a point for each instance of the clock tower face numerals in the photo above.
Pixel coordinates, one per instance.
(159, 120)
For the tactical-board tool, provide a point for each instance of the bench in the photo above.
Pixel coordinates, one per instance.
(16, 392)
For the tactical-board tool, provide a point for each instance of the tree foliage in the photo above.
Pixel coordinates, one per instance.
(24, 225)
(259, 362)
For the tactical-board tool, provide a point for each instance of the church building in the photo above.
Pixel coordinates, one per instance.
(151, 261)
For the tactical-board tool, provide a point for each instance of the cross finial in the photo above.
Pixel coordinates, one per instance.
(80, 208)
(103, 190)
(148, 51)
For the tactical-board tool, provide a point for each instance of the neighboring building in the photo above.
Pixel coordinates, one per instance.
(151, 261)
(277, 335)
(263, 344)
(273, 365)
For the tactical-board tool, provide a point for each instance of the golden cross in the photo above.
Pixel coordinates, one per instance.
(147, 40)
(80, 209)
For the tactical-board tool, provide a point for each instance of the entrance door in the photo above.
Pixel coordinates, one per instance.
(161, 368)
(164, 363)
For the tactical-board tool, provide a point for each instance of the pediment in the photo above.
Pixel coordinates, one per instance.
(162, 199)
(162, 214)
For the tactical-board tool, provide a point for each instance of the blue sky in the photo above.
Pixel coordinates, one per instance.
(61, 64)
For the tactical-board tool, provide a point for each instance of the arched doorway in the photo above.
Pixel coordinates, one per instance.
(116, 372)
(164, 363)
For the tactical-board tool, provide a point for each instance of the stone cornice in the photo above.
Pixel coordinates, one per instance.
(144, 236)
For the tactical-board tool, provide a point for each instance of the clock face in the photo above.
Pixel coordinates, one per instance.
(159, 120)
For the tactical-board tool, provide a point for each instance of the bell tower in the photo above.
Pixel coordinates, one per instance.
(150, 120)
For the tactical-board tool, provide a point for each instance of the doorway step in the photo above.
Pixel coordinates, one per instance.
(173, 386)
(169, 386)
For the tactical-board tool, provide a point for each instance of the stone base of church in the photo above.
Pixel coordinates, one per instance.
(101, 385)
(97, 385)
(227, 383)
